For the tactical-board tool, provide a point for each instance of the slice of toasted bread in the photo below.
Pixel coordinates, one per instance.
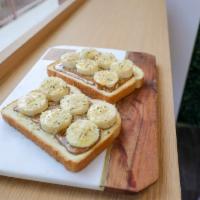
(51, 145)
(93, 91)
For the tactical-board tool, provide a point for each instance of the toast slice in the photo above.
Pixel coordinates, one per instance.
(48, 143)
(91, 89)
(31, 128)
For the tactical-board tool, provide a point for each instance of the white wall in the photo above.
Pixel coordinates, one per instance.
(183, 21)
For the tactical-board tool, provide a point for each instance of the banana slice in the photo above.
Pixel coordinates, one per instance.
(74, 90)
(103, 114)
(138, 73)
(89, 54)
(87, 67)
(76, 104)
(106, 78)
(123, 68)
(69, 60)
(82, 133)
(105, 60)
(54, 121)
(32, 104)
(55, 88)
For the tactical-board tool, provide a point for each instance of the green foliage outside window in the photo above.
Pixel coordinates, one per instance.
(190, 105)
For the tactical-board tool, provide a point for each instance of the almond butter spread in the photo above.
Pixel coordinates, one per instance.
(88, 79)
(60, 137)
(74, 150)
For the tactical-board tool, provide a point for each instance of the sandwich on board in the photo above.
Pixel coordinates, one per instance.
(75, 124)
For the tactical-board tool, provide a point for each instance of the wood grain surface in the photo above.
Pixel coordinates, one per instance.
(136, 25)
(133, 158)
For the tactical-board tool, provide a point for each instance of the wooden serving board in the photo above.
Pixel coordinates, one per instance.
(132, 162)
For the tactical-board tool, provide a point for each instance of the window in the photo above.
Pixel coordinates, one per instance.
(11, 9)
(22, 19)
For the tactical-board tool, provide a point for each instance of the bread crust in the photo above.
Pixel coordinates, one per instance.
(93, 91)
(69, 163)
